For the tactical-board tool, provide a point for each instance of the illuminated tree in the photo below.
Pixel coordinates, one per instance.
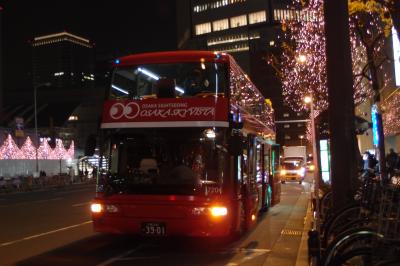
(44, 150)
(9, 150)
(71, 151)
(28, 149)
(303, 65)
(392, 10)
(59, 151)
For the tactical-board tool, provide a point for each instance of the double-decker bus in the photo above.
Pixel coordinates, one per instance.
(189, 144)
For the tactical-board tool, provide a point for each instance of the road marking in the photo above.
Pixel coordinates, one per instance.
(113, 259)
(81, 204)
(252, 253)
(44, 234)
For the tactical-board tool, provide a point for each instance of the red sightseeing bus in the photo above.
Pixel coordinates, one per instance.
(189, 142)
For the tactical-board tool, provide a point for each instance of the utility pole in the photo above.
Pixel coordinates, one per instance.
(341, 103)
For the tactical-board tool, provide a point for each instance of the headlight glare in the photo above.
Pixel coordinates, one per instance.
(96, 207)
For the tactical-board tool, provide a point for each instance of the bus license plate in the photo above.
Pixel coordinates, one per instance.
(155, 229)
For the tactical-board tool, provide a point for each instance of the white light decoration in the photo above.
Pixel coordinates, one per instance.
(59, 151)
(396, 55)
(305, 40)
(28, 150)
(44, 150)
(10, 151)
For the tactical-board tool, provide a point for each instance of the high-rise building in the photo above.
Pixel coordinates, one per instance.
(248, 30)
(1, 60)
(63, 59)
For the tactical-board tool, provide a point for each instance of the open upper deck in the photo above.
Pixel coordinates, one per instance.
(188, 79)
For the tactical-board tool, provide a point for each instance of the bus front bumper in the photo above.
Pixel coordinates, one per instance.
(199, 227)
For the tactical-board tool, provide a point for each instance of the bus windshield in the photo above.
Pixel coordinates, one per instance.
(185, 80)
(167, 160)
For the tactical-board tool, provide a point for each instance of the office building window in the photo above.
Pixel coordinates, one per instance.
(215, 4)
(286, 115)
(286, 126)
(299, 125)
(257, 17)
(222, 24)
(234, 48)
(238, 21)
(294, 15)
(203, 28)
(287, 137)
(232, 38)
(298, 114)
(73, 118)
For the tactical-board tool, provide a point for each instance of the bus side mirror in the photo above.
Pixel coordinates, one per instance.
(236, 145)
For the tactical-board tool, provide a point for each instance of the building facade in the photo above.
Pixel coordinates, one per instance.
(63, 59)
(248, 30)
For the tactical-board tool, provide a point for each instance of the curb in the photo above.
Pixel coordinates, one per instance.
(302, 254)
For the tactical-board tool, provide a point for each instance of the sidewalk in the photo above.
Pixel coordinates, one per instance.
(291, 248)
(26, 186)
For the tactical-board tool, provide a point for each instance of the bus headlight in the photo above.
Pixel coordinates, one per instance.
(218, 211)
(283, 172)
(96, 207)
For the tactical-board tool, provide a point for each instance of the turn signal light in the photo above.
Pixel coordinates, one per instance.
(96, 207)
(218, 211)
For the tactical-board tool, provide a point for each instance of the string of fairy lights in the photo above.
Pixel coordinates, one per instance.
(9, 150)
(391, 115)
(303, 62)
(245, 94)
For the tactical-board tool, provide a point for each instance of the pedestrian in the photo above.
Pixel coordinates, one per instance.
(391, 161)
(369, 161)
(366, 160)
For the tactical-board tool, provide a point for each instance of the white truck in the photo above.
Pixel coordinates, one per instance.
(293, 166)
(299, 152)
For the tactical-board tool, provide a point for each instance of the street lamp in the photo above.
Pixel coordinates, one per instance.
(309, 100)
(302, 58)
(46, 84)
(301, 140)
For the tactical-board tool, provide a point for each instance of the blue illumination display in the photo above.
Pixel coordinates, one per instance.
(374, 118)
(117, 61)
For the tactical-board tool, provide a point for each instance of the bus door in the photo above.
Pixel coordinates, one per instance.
(274, 176)
(252, 193)
(265, 176)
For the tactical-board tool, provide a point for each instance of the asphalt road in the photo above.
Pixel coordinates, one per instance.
(54, 228)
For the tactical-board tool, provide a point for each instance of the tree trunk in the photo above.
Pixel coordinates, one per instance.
(341, 102)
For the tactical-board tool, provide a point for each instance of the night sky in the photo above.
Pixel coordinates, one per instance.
(116, 27)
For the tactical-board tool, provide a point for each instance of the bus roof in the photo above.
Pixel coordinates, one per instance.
(171, 57)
